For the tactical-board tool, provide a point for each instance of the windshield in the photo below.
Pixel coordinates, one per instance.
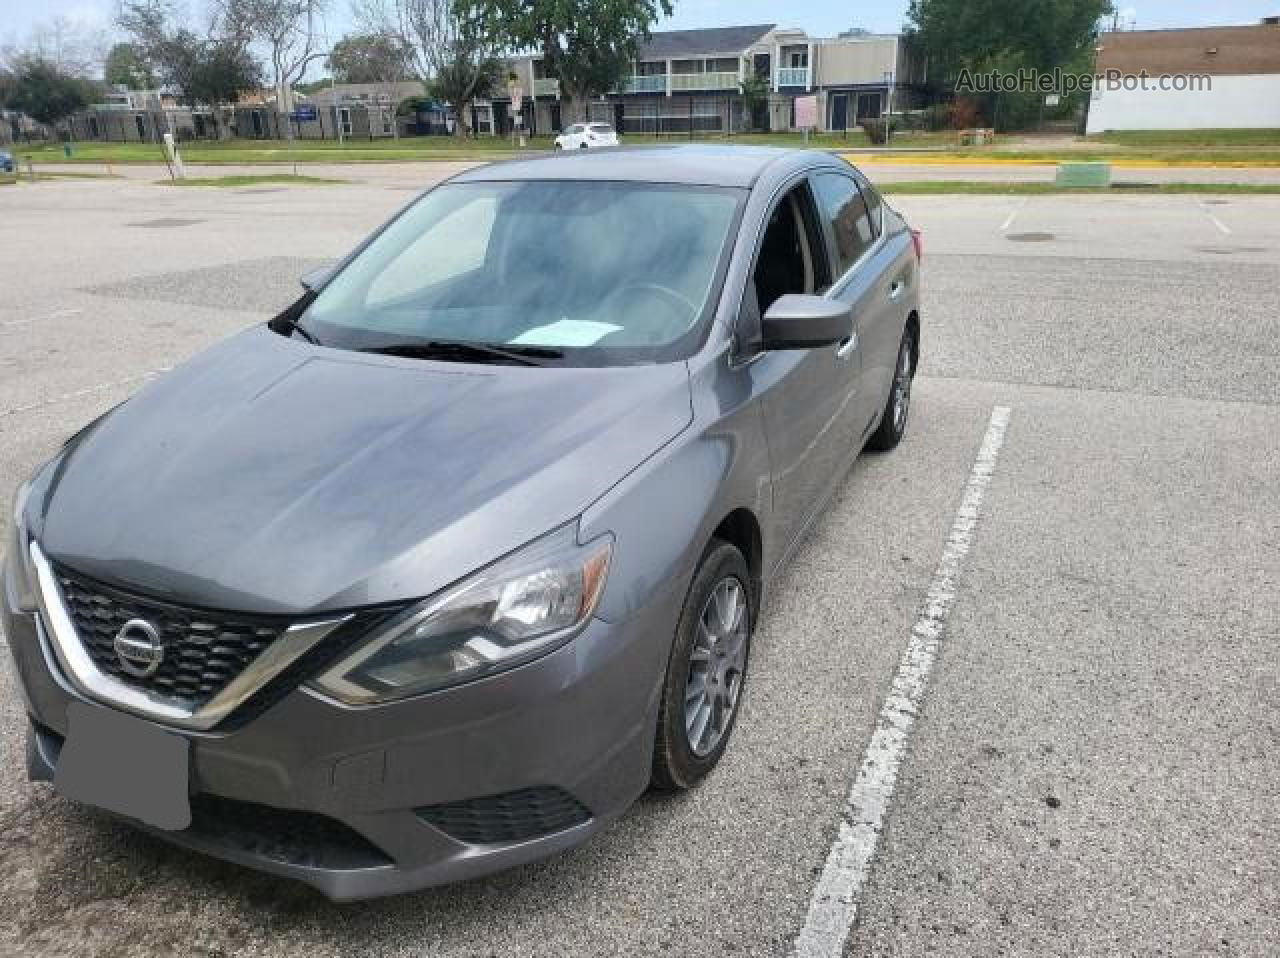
(589, 273)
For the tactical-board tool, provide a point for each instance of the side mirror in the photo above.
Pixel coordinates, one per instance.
(316, 278)
(798, 321)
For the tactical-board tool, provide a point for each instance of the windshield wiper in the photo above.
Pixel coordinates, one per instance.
(460, 349)
(293, 326)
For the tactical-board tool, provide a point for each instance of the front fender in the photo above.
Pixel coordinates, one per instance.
(664, 514)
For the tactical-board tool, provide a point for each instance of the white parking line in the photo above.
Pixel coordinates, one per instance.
(6, 323)
(89, 391)
(834, 906)
(1222, 227)
(1004, 227)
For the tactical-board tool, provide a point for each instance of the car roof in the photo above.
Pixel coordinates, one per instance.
(690, 164)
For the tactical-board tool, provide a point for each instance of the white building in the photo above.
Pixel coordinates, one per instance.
(1192, 79)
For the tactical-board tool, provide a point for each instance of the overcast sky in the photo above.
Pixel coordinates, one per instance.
(818, 17)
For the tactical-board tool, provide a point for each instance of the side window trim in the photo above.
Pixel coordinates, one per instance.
(842, 281)
(739, 345)
(877, 223)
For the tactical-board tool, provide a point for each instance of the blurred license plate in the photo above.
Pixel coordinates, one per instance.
(125, 765)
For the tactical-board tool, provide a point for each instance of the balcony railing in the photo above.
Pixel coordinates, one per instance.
(647, 84)
(546, 86)
(705, 81)
(793, 76)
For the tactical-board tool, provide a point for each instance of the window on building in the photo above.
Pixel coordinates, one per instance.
(344, 118)
(685, 67)
(843, 208)
(723, 65)
(651, 68)
(798, 59)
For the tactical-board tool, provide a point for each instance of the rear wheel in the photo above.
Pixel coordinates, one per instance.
(893, 422)
(706, 671)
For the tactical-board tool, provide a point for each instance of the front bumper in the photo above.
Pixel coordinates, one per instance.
(378, 800)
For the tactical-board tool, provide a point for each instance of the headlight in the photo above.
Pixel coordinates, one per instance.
(523, 606)
(19, 577)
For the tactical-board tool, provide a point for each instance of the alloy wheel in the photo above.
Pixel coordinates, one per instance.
(716, 666)
(902, 385)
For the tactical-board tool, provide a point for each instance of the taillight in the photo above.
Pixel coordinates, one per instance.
(917, 240)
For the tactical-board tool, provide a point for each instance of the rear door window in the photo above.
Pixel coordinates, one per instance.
(845, 212)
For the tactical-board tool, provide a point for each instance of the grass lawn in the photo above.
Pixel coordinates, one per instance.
(952, 187)
(252, 180)
(1199, 148)
(232, 152)
(1192, 138)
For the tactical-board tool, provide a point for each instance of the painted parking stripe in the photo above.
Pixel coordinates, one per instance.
(1222, 227)
(6, 323)
(838, 894)
(81, 393)
(1004, 227)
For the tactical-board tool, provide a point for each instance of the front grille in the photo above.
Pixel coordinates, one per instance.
(203, 651)
(510, 817)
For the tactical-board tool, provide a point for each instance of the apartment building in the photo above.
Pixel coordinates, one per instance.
(686, 80)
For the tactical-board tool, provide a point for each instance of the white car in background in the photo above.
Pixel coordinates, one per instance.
(586, 136)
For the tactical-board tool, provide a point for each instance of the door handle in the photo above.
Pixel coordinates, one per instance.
(896, 288)
(848, 347)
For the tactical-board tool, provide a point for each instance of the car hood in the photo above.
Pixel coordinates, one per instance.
(267, 475)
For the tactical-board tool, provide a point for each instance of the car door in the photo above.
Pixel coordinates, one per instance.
(804, 394)
(866, 278)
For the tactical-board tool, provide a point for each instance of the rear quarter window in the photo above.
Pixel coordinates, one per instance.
(841, 204)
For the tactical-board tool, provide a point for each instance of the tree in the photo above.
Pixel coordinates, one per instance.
(369, 58)
(450, 51)
(213, 68)
(71, 46)
(289, 30)
(45, 93)
(755, 99)
(1005, 35)
(589, 46)
(126, 67)
(462, 82)
(377, 58)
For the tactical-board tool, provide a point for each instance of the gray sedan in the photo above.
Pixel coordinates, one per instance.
(437, 571)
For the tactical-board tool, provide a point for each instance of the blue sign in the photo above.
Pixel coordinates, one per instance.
(304, 114)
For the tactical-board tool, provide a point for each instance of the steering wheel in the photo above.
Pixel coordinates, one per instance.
(682, 309)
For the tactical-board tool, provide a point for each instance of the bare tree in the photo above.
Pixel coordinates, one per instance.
(451, 54)
(289, 33)
(377, 58)
(75, 47)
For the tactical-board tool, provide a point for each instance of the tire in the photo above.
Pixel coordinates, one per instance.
(583, 146)
(682, 757)
(897, 408)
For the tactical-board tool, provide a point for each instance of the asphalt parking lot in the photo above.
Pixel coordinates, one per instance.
(1092, 770)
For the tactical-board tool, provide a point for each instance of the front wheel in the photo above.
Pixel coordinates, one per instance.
(706, 671)
(893, 422)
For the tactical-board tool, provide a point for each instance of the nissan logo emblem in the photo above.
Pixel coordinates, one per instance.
(138, 648)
